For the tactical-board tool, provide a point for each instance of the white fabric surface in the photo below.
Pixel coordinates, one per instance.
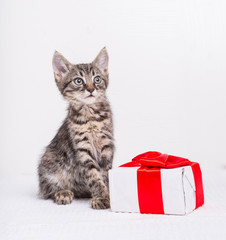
(23, 216)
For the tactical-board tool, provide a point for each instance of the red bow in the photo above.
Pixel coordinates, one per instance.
(157, 159)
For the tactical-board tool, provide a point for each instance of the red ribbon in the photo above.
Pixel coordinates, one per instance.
(150, 163)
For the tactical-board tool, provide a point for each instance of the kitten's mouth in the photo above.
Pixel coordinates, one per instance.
(90, 96)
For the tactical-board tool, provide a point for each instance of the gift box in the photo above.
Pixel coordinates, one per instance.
(156, 183)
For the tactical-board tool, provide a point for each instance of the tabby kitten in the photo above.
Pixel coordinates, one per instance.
(76, 162)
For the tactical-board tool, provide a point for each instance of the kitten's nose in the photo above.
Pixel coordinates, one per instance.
(90, 90)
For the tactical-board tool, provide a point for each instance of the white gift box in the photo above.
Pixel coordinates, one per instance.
(156, 190)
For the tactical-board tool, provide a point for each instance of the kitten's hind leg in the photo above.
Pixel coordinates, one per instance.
(56, 186)
(64, 197)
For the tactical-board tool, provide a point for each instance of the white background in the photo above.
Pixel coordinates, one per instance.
(167, 75)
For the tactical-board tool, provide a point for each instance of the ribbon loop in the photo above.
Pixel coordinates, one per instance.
(157, 159)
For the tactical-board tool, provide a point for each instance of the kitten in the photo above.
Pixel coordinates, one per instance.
(76, 162)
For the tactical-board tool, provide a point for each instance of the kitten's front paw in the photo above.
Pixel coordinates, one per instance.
(64, 197)
(100, 203)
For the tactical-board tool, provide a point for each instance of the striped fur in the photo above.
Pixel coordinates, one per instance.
(76, 162)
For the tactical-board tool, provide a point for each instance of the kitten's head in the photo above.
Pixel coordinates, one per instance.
(85, 83)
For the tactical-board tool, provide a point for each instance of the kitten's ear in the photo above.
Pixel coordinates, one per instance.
(61, 66)
(101, 61)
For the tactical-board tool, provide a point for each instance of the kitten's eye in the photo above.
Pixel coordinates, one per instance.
(78, 81)
(97, 80)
